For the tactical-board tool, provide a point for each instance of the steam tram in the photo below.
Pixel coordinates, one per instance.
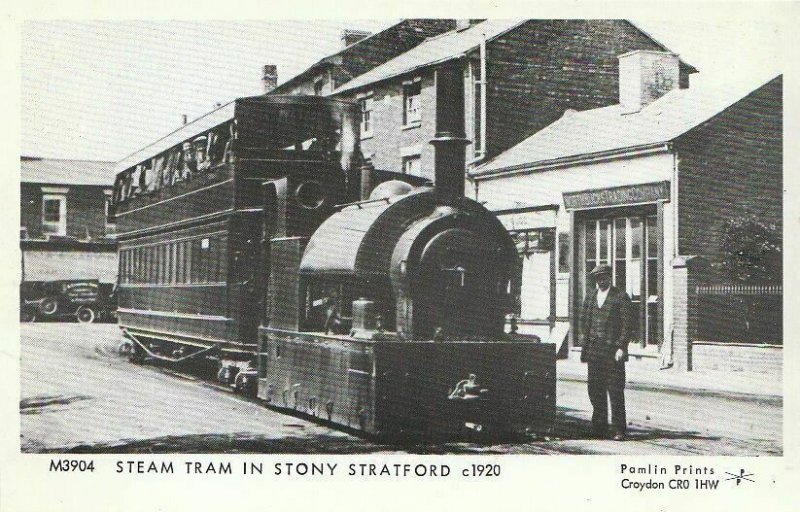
(252, 237)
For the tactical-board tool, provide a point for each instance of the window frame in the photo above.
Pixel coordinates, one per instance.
(367, 121)
(408, 96)
(59, 227)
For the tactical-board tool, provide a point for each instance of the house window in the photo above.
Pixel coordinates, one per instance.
(318, 87)
(54, 214)
(366, 117)
(412, 165)
(412, 107)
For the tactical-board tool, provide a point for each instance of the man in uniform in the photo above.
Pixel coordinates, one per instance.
(605, 331)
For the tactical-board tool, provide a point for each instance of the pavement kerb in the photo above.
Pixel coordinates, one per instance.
(699, 389)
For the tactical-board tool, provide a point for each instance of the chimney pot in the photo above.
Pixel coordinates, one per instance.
(184, 119)
(269, 77)
(645, 76)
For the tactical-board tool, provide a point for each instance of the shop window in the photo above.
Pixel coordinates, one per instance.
(412, 105)
(54, 214)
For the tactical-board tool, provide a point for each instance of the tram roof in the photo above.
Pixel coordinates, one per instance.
(207, 121)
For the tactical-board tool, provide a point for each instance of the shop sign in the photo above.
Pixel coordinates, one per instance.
(617, 196)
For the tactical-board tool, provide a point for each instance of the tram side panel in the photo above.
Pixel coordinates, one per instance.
(174, 264)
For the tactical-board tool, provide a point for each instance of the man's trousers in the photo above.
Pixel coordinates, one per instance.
(606, 383)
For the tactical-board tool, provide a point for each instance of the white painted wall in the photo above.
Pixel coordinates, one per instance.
(548, 187)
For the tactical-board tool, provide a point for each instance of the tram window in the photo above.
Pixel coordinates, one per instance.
(135, 254)
(153, 264)
(122, 260)
(179, 265)
(197, 261)
(137, 265)
(140, 265)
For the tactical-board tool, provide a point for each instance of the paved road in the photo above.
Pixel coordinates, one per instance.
(78, 395)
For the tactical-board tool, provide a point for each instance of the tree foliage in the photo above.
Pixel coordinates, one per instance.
(753, 250)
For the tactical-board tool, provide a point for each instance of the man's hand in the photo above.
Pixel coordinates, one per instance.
(619, 355)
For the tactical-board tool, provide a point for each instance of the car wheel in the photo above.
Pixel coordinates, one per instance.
(85, 315)
(27, 315)
(48, 306)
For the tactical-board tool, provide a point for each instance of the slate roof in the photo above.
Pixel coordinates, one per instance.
(55, 171)
(448, 46)
(433, 51)
(380, 43)
(608, 129)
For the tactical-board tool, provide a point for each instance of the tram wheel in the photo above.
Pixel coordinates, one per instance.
(85, 315)
(48, 306)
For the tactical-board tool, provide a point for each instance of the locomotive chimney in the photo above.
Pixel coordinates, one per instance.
(449, 142)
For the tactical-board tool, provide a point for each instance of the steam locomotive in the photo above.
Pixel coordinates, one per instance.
(256, 238)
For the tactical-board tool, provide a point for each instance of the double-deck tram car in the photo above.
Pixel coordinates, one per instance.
(254, 237)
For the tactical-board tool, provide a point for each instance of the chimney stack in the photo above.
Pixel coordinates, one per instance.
(351, 36)
(645, 76)
(269, 77)
(449, 141)
(465, 24)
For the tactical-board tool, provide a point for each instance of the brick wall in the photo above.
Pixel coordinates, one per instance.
(389, 136)
(360, 58)
(85, 210)
(738, 358)
(731, 166)
(538, 70)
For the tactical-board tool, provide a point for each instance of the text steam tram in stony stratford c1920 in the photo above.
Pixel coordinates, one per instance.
(384, 315)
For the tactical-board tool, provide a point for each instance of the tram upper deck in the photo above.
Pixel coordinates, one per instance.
(215, 164)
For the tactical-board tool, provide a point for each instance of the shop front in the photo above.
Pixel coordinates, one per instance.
(622, 227)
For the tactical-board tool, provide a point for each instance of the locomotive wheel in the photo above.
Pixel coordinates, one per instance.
(48, 306)
(85, 315)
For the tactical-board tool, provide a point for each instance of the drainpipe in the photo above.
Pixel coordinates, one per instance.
(480, 137)
(483, 95)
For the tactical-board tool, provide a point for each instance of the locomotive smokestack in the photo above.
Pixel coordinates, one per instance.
(449, 142)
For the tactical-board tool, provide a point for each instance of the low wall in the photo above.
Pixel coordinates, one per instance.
(737, 357)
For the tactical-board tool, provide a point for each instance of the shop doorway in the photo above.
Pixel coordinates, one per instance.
(629, 243)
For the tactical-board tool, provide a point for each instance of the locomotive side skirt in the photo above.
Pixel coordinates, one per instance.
(411, 387)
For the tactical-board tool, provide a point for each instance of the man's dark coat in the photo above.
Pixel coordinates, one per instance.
(613, 321)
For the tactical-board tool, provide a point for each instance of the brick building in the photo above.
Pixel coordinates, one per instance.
(66, 231)
(534, 70)
(361, 52)
(646, 186)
